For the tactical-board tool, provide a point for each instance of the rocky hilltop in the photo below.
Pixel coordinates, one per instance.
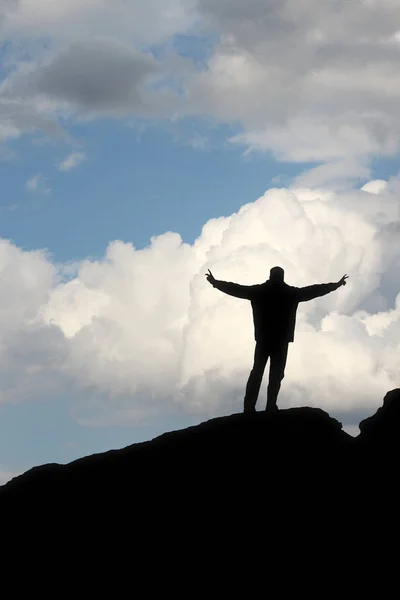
(291, 479)
(215, 457)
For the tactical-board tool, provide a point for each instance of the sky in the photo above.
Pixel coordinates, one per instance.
(143, 142)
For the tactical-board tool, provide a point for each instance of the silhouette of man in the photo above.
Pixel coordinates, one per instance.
(274, 305)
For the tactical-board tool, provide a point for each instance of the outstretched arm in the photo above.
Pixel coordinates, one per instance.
(314, 291)
(233, 289)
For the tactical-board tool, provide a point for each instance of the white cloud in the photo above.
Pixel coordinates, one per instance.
(20, 115)
(71, 161)
(31, 353)
(96, 75)
(375, 187)
(305, 80)
(143, 21)
(308, 81)
(85, 58)
(336, 175)
(141, 331)
(86, 79)
(38, 184)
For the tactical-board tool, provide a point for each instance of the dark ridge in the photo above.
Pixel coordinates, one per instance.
(291, 441)
(287, 486)
(380, 432)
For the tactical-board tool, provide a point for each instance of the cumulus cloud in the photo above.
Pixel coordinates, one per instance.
(71, 161)
(31, 352)
(141, 331)
(38, 184)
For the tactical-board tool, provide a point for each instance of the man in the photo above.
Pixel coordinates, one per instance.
(274, 305)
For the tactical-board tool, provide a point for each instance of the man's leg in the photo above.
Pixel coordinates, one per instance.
(277, 366)
(255, 377)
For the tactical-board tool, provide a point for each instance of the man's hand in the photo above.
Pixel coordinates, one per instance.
(210, 277)
(343, 280)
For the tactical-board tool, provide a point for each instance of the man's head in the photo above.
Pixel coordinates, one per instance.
(276, 274)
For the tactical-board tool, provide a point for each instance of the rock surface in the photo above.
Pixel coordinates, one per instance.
(290, 487)
(258, 448)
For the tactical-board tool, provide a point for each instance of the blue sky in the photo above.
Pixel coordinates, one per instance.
(220, 111)
(134, 184)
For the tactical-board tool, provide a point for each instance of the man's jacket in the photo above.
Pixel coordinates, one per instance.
(274, 305)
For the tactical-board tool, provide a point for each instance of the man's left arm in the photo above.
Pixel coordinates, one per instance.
(315, 291)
